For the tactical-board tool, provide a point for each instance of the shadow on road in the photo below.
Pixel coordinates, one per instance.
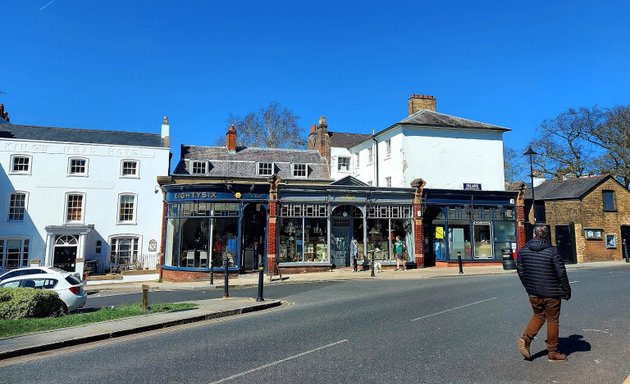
(568, 345)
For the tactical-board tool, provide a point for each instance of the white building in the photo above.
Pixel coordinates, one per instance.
(77, 196)
(447, 152)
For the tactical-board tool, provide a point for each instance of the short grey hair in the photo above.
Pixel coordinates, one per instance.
(541, 232)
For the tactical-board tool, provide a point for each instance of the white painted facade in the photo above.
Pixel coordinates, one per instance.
(47, 228)
(445, 158)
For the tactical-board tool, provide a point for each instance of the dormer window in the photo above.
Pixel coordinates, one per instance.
(198, 167)
(299, 170)
(264, 169)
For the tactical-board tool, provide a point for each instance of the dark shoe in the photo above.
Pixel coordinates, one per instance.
(556, 357)
(523, 348)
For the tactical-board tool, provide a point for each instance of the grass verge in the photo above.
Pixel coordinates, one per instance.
(25, 326)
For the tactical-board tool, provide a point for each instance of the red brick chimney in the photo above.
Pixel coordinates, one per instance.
(230, 139)
(420, 102)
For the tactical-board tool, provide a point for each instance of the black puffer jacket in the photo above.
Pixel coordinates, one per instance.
(542, 271)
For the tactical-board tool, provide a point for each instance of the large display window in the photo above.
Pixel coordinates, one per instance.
(303, 233)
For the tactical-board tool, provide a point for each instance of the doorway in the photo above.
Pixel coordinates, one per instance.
(565, 243)
(65, 253)
(625, 242)
(254, 230)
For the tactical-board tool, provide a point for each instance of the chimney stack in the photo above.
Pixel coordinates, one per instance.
(166, 135)
(230, 140)
(419, 102)
(4, 116)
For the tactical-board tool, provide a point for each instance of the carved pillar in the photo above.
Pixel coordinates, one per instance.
(418, 214)
(272, 224)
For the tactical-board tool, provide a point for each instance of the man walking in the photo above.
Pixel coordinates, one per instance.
(544, 277)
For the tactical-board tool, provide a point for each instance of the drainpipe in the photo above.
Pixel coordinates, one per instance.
(375, 160)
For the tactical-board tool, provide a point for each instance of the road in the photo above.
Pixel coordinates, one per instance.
(449, 330)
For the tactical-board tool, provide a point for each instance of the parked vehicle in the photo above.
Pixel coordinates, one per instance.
(32, 271)
(67, 285)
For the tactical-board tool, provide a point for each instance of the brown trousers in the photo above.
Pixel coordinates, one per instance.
(545, 309)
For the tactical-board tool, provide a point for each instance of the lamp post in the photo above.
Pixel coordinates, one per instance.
(531, 153)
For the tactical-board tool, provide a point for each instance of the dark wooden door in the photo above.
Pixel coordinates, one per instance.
(565, 243)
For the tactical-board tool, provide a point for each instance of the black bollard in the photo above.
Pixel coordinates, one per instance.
(459, 262)
(260, 283)
(226, 277)
(372, 267)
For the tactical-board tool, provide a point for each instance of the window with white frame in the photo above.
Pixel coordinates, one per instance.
(343, 164)
(199, 167)
(17, 206)
(124, 250)
(74, 208)
(370, 156)
(126, 208)
(299, 170)
(13, 253)
(356, 160)
(388, 148)
(77, 166)
(388, 181)
(20, 164)
(129, 168)
(264, 169)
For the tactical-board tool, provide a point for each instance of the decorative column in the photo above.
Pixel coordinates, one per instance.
(520, 216)
(418, 214)
(272, 225)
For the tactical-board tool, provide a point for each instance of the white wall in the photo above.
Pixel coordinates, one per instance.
(335, 153)
(444, 158)
(48, 184)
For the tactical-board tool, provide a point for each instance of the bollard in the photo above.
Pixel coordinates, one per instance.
(624, 245)
(372, 267)
(226, 277)
(145, 296)
(261, 277)
(459, 262)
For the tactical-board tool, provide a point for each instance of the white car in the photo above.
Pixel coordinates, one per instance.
(67, 285)
(31, 271)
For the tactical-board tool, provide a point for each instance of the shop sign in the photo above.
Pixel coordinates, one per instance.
(472, 186)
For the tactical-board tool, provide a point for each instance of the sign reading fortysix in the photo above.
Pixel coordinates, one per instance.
(472, 186)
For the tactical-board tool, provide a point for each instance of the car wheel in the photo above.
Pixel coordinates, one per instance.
(63, 310)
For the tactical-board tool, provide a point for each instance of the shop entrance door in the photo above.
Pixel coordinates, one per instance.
(254, 229)
(340, 241)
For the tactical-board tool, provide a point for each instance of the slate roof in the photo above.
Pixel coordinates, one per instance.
(242, 164)
(78, 135)
(425, 117)
(566, 189)
(347, 140)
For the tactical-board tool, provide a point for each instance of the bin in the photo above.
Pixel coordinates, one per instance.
(508, 260)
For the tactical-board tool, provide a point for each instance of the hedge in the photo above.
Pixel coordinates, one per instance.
(19, 303)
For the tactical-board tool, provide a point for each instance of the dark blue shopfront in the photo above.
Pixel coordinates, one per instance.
(208, 224)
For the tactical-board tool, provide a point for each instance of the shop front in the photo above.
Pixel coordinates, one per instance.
(208, 228)
(477, 226)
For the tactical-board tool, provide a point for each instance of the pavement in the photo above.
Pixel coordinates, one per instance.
(215, 308)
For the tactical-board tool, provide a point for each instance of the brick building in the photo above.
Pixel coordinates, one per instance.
(589, 217)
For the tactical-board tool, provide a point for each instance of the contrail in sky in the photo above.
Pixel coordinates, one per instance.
(47, 5)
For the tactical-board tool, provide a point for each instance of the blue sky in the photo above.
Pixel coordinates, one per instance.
(122, 65)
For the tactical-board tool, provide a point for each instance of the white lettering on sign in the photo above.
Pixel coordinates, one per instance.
(79, 150)
(24, 147)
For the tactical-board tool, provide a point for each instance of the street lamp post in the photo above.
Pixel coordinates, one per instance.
(531, 153)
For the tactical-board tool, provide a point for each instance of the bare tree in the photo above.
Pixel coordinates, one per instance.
(613, 136)
(273, 126)
(564, 144)
(514, 165)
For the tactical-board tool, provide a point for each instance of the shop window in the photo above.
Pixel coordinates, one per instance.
(608, 197)
(303, 239)
(482, 238)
